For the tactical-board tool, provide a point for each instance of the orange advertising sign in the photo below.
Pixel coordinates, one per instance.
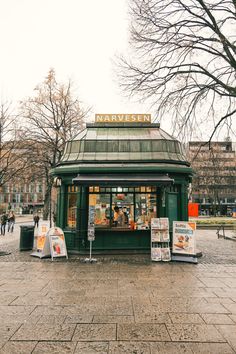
(193, 209)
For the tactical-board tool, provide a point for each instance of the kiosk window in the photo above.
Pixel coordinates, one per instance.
(71, 209)
(145, 210)
(115, 208)
(101, 202)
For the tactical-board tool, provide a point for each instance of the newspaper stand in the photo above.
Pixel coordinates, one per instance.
(160, 239)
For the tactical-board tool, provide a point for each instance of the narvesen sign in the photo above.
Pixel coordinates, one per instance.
(123, 118)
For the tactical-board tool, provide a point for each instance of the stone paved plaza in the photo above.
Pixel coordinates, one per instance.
(121, 304)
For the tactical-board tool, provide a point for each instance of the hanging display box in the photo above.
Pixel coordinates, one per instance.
(160, 238)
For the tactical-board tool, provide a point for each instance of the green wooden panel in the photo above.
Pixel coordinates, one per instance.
(70, 240)
(121, 240)
(172, 208)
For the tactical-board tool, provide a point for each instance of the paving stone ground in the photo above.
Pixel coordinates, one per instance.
(121, 304)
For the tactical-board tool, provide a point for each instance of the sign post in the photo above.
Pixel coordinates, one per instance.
(91, 234)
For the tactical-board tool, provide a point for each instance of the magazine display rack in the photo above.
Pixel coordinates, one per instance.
(160, 240)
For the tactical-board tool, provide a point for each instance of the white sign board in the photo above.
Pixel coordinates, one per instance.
(57, 242)
(42, 241)
(184, 238)
(91, 233)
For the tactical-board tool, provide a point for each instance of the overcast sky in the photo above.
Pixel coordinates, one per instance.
(78, 38)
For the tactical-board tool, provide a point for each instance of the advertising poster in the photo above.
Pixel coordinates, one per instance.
(57, 243)
(165, 254)
(42, 242)
(184, 238)
(41, 237)
(156, 254)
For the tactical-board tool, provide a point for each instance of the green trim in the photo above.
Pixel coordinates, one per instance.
(75, 169)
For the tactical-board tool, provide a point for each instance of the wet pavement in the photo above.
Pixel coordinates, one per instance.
(121, 304)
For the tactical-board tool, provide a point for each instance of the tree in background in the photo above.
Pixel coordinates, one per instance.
(13, 151)
(184, 60)
(53, 116)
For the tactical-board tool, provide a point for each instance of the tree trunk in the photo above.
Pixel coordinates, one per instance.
(47, 203)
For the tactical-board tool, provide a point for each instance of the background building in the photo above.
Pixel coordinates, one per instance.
(214, 181)
(23, 196)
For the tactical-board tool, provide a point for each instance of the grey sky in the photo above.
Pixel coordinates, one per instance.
(78, 38)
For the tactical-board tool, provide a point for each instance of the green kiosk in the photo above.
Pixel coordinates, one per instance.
(119, 173)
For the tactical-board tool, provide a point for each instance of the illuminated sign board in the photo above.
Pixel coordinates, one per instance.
(123, 118)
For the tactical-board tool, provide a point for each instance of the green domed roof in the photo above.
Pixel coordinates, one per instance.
(126, 142)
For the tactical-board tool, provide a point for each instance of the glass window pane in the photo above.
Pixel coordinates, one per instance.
(157, 145)
(170, 146)
(71, 210)
(146, 146)
(124, 146)
(134, 146)
(113, 146)
(177, 147)
(101, 146)
(103, 214)
(90, 145)
(123, 210)
(75, 146)
(145, 210)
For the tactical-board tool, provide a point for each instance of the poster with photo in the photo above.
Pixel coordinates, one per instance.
(57, 243)
(156, 235)
(41, 236)
(165, 254)
(165, 236)
(42, 247)
(164, 223)
(155, 223)
(184, 238)
(91, 217)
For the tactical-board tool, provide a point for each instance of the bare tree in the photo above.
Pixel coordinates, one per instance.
(184, 60)
(53, 116)
(13, 152)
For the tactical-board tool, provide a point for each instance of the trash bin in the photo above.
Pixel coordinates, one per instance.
(26, 237)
